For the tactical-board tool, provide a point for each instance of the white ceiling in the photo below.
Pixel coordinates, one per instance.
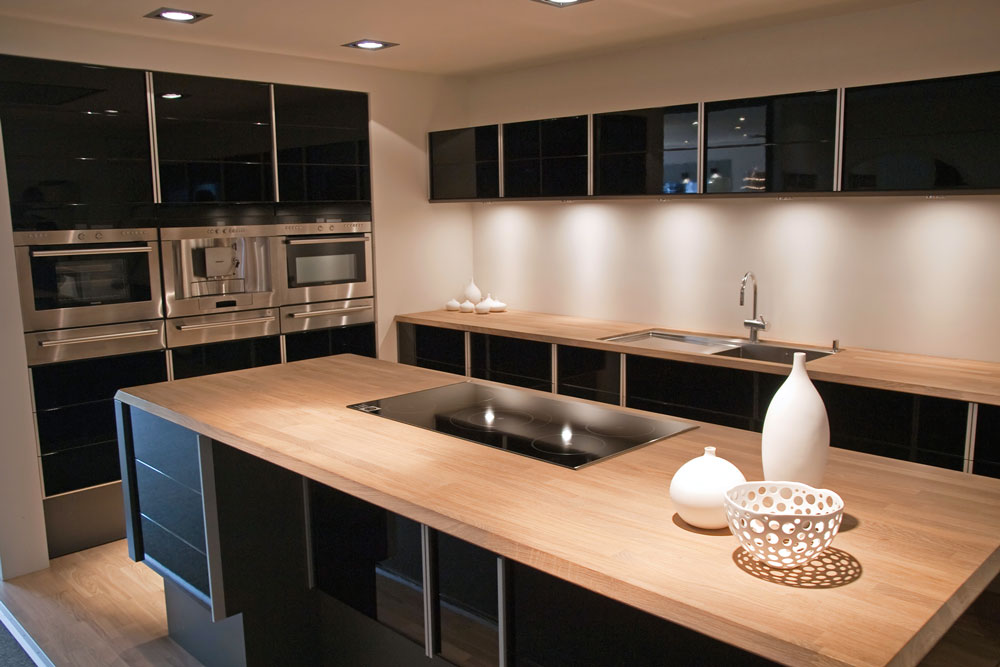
(456, 37)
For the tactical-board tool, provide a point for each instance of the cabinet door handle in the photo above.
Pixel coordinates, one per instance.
(331, 311)
(229, 323)
(77, 252)
(100, 337)
(350, 239)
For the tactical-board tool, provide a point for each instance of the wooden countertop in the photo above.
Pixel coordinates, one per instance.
(959, 379)
(917, 546)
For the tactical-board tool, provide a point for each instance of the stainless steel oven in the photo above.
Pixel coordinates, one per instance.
(75, 278)
(325, 261)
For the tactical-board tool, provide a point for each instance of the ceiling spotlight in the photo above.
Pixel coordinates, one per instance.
(370, 44)
(177, 15)
(562, 3)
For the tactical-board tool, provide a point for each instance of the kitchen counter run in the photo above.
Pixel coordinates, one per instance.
(959, 379)
(917, 547)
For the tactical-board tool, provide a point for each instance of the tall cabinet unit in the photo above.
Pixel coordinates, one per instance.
(213, 139)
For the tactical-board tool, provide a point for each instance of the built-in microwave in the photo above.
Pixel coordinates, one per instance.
(74, 278)
(325, 261)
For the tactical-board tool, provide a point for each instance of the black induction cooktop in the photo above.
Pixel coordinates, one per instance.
(567, 433)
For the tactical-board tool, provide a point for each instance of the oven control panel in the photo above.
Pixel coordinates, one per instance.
(64, 236)
(328, 226)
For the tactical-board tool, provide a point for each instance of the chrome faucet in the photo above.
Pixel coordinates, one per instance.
(757, 323)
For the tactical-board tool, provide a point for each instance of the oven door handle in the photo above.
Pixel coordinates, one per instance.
(352, 239)
(331, 311)
(94, 339)
(228, 323)
(91, 251)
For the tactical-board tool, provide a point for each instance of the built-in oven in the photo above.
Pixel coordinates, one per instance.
(325, 260)
(75, 278)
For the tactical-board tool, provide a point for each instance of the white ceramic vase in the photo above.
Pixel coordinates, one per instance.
(795, 441)
(698, 489)
(473, 293)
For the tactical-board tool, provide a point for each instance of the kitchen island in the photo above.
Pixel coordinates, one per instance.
(917, 546)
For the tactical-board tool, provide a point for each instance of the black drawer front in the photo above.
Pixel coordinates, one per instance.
(196, 360)
(175, 555)
(355, 339)
(173, 506)
(76, 426)
(168, 448)
(86, 380)
(80, 467)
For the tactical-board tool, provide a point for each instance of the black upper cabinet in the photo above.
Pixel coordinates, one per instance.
(545, 158)
(465, 163)
(936, 134)
(646, 151)
(322, 141)
(214, 140)
(783, 143)
(76, 141)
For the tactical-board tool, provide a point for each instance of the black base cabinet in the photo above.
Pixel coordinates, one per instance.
(586, 373)
(354, 339)
(431, 347)
(987, 445)
(514, 361)
(234, 355)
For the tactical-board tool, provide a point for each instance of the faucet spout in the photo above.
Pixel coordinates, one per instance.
(756, 323)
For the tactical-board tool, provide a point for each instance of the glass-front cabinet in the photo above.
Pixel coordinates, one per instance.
(646, 151)
(938, 134)
(465, 163)
(545, 158)
(213, 138)
(783, 143)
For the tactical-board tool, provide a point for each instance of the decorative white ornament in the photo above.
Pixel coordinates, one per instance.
(795, 441)
(473, 293)
(452, 305)
(783, 524)
(467, 306)
(498, 306)
(483, 307)
(698, 489)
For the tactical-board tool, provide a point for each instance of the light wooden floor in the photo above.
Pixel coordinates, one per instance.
(96, 608)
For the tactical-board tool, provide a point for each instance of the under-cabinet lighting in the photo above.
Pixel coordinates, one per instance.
(370, 44)
(177, 15)
(561, 3)
(172, 96)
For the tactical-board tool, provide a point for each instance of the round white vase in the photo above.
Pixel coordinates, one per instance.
(795, 441)
(472, 292)
(698, 489)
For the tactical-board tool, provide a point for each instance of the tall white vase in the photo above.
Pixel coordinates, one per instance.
(795, 441)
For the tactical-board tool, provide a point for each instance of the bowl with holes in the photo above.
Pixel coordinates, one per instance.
(783, 524)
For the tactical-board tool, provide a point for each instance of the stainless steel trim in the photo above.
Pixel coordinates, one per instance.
(590, 154)
(210, 514)
(838, 145)
(971, 423)
(330, 311)
(554, 360)
(350, 239)
(621, 380)
(46, 347)
(170, 365)
(229, 323)
(102, 337)
(78, 236)
(282, 349)
(274, 143)
(224, 231)
(468, 353)
(428, 553)
(702, 162)
(307, 508)
(325, 226)
(504, 626)
(75, 252)
(154, 150)
(500, 157)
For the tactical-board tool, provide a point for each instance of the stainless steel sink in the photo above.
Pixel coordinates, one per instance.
(656, 339)
(775, 353)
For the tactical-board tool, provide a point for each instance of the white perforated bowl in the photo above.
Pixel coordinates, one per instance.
(783, 524)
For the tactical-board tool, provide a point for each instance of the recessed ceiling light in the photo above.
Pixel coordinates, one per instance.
(172, 96)
(562, 3)
(370, 44)
(177, 15)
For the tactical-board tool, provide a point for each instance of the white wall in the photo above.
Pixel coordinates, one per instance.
(898, 273)
(421, 251)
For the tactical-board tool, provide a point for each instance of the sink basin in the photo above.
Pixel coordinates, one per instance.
(775, 353)
(656, 339)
